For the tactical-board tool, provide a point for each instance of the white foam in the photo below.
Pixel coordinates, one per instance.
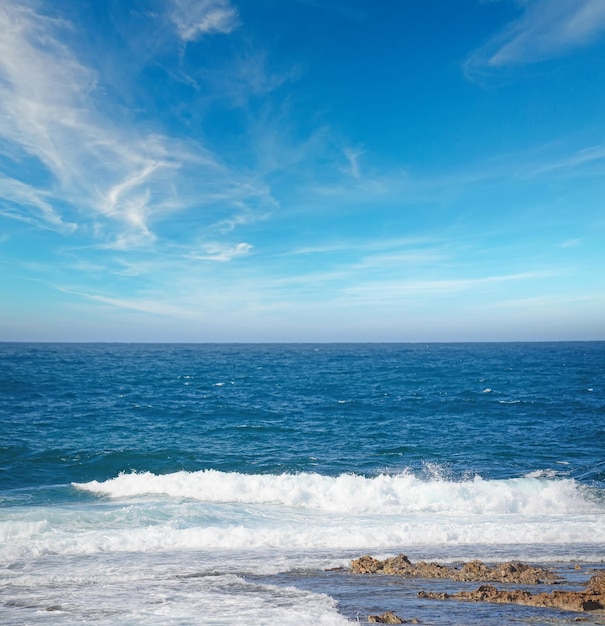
(19, 529)
(542, 473)
(211, 510)
(267, 530)
(350, 493)
(151, 592)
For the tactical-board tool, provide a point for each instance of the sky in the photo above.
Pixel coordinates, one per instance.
(302, 170)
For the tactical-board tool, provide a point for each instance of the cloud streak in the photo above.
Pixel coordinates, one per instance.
(546, 29)
(89, 170)
(195, 18)
(221, 252)
(15, 195)
(396, 290)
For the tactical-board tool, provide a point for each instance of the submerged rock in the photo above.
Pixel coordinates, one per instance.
(592, 599)
(473, 571)
(386, 618)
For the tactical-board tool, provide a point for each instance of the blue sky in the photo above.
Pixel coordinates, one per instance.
(302, 170)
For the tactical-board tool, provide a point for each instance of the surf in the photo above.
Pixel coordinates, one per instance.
(402, 493)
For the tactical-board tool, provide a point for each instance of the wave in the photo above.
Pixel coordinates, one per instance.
(403, 493)
(266, 531)
(227, 511)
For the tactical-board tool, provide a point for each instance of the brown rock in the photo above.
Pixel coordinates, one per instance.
(399, 565)
(593, 598)
(474, 571)
(521, 573)
(366, 565)
(386, 618)
(596, 584)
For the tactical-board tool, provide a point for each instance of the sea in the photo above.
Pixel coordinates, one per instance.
(170, 484)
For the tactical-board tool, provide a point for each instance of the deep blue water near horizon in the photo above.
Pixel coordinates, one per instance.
(266, 464)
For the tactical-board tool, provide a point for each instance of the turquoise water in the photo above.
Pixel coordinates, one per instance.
(178, 484)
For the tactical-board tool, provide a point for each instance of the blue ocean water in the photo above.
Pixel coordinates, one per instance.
(220, 484)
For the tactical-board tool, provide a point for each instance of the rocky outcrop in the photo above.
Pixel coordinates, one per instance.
(474, 571)
(386, 618)
(592, 599)
(390, 618)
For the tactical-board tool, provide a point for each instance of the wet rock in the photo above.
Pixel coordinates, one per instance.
(592, 599)
(510, 572)
(367, 565)
(596, 584)
(473, 571)
(386, 618)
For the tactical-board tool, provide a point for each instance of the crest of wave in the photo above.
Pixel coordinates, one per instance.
(351, 493)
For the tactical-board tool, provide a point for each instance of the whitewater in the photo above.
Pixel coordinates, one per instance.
(184, 484)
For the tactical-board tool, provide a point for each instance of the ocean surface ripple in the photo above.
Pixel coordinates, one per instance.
(149, 483)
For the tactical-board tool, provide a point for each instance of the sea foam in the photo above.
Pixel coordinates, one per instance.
(349, 493)
(211, 510)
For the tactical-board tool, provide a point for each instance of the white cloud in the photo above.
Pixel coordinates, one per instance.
(151, 306)
(576, 159)
(546, 29)
(14, 195)
(245, 217)
(46, 99)
(84, 168)
(221, 252)
(42, 87)
(196, 18)
(370, 245)
(248, 74)
(397, 289)
(353, 159)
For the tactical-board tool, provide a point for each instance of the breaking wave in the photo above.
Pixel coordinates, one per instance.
(349, 493)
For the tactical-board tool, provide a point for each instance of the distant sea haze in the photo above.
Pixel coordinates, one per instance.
(181, 484)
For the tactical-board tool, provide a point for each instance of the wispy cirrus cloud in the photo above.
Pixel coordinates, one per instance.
(113, 179)
(545, 30)
(352, 157)
(46, 101)
(220, 251)
(371, 245)
(196, 18)
(563, 156)
(14, 195)
(141, 304)
(399, 289)
(576, 160)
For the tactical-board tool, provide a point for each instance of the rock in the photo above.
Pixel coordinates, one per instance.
(366, 565)
(596, 584)
(386, 618)
(474, 571)
(592, 599)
